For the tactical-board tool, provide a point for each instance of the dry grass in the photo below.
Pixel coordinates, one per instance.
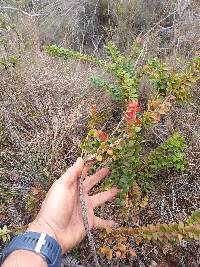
(44, 110)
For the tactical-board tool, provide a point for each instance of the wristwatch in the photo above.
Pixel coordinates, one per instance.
(39, 243)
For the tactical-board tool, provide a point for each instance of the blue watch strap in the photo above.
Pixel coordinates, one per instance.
(39, 243)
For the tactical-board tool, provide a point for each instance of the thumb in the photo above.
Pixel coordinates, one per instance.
(72, 174)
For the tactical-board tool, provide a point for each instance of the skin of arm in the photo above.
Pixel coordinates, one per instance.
(24, 258)
(60, 215)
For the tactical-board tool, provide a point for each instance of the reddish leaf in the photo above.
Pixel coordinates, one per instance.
(102, 136)
(131, 113)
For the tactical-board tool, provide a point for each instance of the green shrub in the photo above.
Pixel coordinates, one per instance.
(123, 148)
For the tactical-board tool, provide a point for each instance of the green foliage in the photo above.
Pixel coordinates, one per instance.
(54, 50)
(169, 154)
(166, 82)
(127, 77)
(4, 234)
(114, 90)
(3, 41)
(124, 167)
(135, 51)
(179, 84)
(31, 202)
(128, 165)
(6, 195)
(124, 150)
(13, 60)
(9, 62)
(158, 73)
(194, 218)
(34, 198)
(122, 68)
(3, 24)
(125, 87)
(6, 60)
(74, 252)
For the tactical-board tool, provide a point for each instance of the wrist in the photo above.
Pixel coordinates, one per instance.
(42, 227)
(35, 243)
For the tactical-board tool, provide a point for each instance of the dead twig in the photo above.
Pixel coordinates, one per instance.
(85, 219)
(157, 24)
(21, 11)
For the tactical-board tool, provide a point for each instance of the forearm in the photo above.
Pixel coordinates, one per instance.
(24, 258)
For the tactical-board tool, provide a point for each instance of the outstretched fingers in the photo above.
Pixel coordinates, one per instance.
(86, 168)
(101, 198)
(92, 180)
(101, 223)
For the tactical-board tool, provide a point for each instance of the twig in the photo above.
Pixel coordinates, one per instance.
(23, 12)
(119, 124)
(157, 24)
(85, 220)
(162, 207)
(140, 55)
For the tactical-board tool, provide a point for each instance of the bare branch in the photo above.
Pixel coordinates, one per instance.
(21, 11)
(157, 24)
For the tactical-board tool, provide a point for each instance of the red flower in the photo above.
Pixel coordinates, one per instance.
(102, 136)
(131, 113)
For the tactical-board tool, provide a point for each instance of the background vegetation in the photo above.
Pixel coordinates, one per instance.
(45, 108)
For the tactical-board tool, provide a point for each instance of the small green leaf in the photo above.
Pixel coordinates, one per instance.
(138, 129)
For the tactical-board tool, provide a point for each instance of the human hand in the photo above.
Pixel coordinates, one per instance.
(60, 215)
